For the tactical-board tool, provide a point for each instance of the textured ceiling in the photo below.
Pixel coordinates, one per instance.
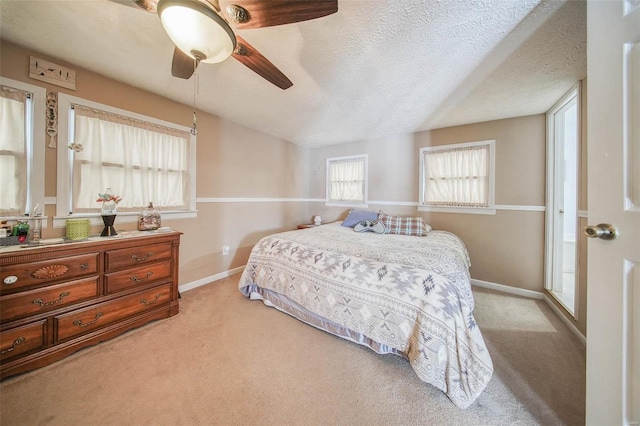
(375, 68)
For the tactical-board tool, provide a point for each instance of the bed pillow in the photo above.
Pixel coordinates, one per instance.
(403, 225)
(356, 216)
(369, 226)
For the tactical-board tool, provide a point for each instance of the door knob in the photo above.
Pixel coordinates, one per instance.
(604, 231)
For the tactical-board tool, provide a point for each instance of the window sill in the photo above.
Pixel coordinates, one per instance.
(354, 204)
(462, 210)
(124, 217)
(29, 219)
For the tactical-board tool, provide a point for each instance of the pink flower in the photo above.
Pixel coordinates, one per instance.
(108, 197)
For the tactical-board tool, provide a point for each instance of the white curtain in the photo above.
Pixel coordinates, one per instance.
(457, 177)
(13, 151)
(346, 180)
(141, 162)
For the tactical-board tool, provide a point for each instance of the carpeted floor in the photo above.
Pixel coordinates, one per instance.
(225, 360)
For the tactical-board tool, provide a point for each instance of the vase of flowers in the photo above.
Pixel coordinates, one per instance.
(108, 211)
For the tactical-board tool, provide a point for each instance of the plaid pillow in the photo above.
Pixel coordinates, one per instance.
(403, 225)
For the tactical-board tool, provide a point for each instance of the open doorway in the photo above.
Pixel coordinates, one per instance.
(563, 124)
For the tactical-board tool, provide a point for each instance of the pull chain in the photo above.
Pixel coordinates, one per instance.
(196, 86)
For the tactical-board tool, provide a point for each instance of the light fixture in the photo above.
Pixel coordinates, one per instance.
(197, 30)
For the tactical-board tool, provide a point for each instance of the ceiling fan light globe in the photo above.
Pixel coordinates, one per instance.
(191, 26)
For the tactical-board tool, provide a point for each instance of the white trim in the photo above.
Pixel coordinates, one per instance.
(371, 202)
(463, 210)
(395, 203)
(50, 200)
(583, 214)
(44, 220)
(123, 217)
(521, 208)
(572, 327)
(258, 200)
(508, 289)
(207, 280)
(349, 205)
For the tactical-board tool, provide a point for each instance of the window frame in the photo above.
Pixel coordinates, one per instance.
(337, 203)
(36, 141)
(490, 209)
(65, 124)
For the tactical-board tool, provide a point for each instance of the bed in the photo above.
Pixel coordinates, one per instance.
(398, 294)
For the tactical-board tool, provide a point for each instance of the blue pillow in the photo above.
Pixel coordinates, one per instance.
(356, 216)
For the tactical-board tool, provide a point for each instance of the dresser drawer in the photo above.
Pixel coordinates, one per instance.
(20, 340)
(84, 320)
(22, 275)
(48, 298)
(135, 256)
(135, 277)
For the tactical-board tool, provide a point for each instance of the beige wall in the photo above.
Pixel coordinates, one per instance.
(232, 162)
(507, 248)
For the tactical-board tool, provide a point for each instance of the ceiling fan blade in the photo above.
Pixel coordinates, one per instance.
(148, 5)
(182, 66)
(247, 14)
(254, 60)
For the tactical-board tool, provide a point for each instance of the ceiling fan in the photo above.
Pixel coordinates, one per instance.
(201, 30)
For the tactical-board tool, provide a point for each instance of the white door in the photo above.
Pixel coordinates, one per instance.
(613, 286)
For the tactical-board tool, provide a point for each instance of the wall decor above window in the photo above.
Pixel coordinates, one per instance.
(52, 118)
(51, 73)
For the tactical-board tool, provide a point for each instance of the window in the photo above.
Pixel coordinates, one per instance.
(140, 158)
(22, 130)
(563, 171)
(458, 178)
(347, 180)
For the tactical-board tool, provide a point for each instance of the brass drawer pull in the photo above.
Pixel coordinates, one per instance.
(79, 323)
(150, 302)
(142, 259)
(53, 302)
(84, 266)
(141, 280)
(15, 343)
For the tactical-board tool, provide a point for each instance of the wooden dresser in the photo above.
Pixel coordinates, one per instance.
(57, 299)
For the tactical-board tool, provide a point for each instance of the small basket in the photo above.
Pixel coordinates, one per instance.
(77, 229)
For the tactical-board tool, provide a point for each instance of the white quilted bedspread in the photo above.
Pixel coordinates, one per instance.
(410, 293)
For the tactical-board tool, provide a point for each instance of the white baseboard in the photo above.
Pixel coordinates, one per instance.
(508, 289)
(566, 320)
(206, 280)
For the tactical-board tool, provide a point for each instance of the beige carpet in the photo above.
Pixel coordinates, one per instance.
(225, 360)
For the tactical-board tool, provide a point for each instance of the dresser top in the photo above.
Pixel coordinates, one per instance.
(52, 242)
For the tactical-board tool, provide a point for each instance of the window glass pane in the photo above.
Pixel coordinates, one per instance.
(13, 151)
(346, 179)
